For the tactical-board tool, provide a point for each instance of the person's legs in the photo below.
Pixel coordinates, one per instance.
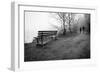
(83, 29)
(80, 29)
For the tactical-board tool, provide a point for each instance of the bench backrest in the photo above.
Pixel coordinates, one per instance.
(46, 33)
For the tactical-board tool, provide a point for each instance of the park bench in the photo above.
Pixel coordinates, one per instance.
(45, 36)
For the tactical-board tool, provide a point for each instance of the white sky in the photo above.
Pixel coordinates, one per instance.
(36, 21)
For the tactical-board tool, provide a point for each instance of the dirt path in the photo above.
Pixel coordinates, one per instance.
(71, 47)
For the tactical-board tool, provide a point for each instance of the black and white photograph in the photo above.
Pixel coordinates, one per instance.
(56, 36)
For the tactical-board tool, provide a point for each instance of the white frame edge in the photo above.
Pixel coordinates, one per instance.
(14, 36)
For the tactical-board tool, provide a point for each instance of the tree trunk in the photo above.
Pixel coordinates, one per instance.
(64, 32)
(69, 15)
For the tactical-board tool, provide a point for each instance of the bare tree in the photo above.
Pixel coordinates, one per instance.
(62, 18)
(70, 20)
(66, 18)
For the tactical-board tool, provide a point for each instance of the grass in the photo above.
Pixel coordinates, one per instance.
(70, 46)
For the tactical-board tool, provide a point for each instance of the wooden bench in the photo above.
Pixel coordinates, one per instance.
(45, 36)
